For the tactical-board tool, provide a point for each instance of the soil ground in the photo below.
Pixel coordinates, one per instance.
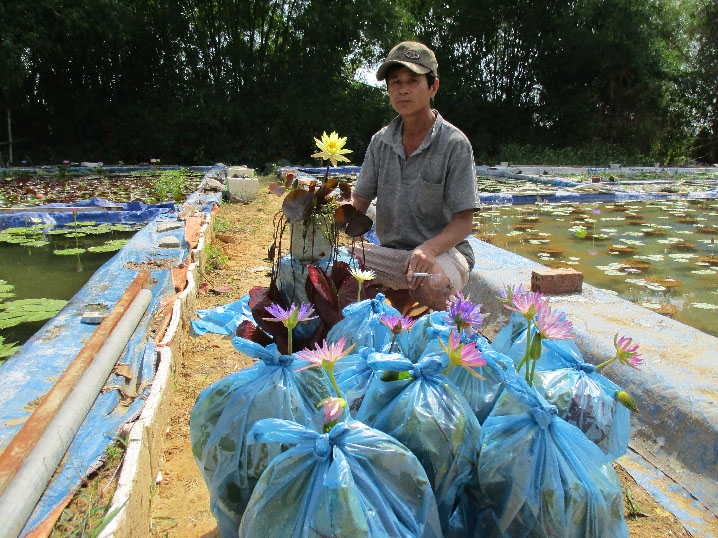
(180, 501)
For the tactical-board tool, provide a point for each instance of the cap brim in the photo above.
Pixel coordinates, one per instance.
(383, 68)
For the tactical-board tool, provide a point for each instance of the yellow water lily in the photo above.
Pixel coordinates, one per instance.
(332, 148)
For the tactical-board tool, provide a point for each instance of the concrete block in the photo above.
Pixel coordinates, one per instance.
(555, 281)
(170, 242)
(243, 189)
(239, 171)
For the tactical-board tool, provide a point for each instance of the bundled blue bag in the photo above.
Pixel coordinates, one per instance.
(511, 341)
(541, 476)
(583, 397)
(352, 482)
(361, 325)
(587, 400)
(226, 411)
(431, 417)
(480, 393)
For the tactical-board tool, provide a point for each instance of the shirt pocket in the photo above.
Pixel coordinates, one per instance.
(427, 198)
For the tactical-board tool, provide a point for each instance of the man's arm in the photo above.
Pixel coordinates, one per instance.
(361, 203)
(423, 257)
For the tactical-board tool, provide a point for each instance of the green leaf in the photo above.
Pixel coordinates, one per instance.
(7, 348)
(109, 246)
(24, 310)
(68, 251)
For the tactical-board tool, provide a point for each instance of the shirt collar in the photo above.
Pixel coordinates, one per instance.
(392, 136)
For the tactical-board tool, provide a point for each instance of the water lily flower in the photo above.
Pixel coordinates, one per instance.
(506, 292)
(290, 317)
(552, 325)
(463, 314)
(464, 355)
(333, 409)
(627, 351)
(527, 303)
(332, 148)
(361, 275)
(326, 356)
(396, 324)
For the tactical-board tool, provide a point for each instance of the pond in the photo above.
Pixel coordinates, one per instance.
(42, 267)
(659, 254)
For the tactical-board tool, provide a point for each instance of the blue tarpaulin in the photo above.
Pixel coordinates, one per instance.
(32, 371)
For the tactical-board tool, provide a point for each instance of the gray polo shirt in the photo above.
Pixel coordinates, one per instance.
(416, 198)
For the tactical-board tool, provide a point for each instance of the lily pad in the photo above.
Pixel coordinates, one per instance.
(24, 310)
(7, 348)
(68, 251)
(110, 246)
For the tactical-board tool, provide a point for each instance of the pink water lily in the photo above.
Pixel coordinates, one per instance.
(326, 356)
(527, 303)
(464, 355)
(552, 325)
(333, 408)
(397, 324)
(627, 351)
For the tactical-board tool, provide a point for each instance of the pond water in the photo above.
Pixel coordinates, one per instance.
(44, 267)
(660, 254)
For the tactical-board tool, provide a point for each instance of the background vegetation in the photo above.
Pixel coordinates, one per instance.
(253, 81)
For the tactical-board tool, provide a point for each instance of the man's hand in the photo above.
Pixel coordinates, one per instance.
(421, 260)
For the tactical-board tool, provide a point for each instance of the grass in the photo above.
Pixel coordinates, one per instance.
(88, 513)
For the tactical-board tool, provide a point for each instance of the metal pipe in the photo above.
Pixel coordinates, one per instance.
(22, 494)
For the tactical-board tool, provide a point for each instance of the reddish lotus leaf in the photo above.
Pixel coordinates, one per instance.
(343, 213)
(259, 299)
(345, 190)
(298, 205)
(276, 188)
(324, 286)
(250, 331)
(358, 225)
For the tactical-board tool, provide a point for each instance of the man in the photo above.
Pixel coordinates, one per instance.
(421, 171)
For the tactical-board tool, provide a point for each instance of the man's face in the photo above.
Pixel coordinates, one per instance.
(409, 92)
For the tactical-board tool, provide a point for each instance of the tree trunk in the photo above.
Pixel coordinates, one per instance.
(9, 135)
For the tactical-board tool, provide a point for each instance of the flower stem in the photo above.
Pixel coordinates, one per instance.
(525, 358)
(334, 382)
(604, 364)
(359, 292)
(289, 341)
(391, 347)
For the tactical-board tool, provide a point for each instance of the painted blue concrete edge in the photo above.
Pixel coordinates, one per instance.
(34, 368)
(676, 388)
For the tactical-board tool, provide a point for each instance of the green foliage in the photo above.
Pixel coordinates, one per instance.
(216, 257)
(254, 81)
(24, 310)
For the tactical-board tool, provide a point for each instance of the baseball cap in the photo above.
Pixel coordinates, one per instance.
(416, 56)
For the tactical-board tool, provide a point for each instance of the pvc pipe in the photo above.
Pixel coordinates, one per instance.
(22, 494)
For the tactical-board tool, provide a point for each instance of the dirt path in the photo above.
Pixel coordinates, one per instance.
(180, 501)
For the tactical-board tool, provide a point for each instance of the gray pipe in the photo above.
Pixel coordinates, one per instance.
(26, 488)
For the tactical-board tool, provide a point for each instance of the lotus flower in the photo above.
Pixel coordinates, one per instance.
(552, 325)
(333, 409)
(332, 148)
(627, 351)
(464, 355)
(463, 314)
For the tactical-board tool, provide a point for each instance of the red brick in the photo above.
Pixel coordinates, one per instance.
(555, 281)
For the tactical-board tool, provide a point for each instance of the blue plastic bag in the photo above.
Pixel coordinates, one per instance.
(352, 482)
(480, 393)
(431, 417)
(353, 376)
(583, 397)
(226, 411)
(361, 325)
(511, 341)
(587, 400)
(541, 476)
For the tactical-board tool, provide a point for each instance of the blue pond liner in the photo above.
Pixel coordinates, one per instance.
(32, 371)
